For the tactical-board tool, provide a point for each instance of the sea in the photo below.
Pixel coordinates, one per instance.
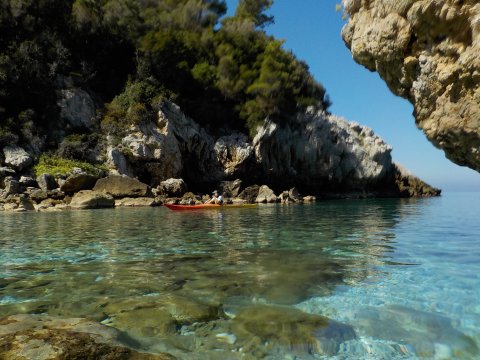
(337, 279)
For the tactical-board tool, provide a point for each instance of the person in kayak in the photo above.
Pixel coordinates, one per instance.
(216, 199)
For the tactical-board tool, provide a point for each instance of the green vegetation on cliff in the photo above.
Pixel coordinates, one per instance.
(223, 71)
(56, 165)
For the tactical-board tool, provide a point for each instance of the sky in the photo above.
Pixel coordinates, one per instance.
(311, 30)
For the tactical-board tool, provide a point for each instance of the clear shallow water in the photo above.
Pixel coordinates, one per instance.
(403, 274)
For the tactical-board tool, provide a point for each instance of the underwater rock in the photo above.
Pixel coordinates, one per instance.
(427, 333)
(44, 337)
(287, 328)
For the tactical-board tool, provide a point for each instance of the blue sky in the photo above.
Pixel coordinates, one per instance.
(311, 29)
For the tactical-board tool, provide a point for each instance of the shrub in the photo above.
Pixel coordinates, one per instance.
(56, 165)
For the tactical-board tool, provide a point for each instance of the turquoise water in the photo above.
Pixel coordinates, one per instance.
(401, 276)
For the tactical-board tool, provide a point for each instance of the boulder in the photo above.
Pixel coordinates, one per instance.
(122, 186)
(56, 194)
(45, 337)
(47, 182)
(230, 188)
(266, 195)
(189, 199)
(284, 197)
(48, 204)
(172, 187)
(18, 204)
(37, 195)
(88, 199)
(6, 171)
(77, 182)
(309, 199)
(12, 186)
(27, 181)
(294, 195)
(249, 194)
(17, 157)
(427, 52)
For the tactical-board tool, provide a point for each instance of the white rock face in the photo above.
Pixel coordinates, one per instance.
(174, 143)
(17, 157)
(315, 149)
(77, 107)
(320, 148)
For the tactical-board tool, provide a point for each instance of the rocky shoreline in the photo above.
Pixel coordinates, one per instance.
(316, 154)
(84, 191)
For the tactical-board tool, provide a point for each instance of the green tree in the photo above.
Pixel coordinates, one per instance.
(254, 10)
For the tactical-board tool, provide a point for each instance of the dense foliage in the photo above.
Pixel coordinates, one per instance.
(223, 71)
(56, 165)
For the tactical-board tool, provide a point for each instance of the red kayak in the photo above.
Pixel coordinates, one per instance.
(193, 207)
(206, 206)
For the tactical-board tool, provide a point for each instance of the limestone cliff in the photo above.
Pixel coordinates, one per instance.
(427, 51)
(319, 150)
(315, 151)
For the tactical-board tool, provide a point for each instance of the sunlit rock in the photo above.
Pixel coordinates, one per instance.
(122, 186)
(88, 199)
(427, 52)
(44, 337)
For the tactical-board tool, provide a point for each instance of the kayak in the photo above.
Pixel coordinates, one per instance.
(207, 206)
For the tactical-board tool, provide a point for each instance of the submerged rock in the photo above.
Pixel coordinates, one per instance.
(430, 335)
(286, 328)
(427, 52)
(44, 337)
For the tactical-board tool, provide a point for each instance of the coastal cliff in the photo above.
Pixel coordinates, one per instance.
(427, 52)
(316, 151)
(165, 93)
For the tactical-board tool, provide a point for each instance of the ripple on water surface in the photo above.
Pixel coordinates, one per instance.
(396, 278)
